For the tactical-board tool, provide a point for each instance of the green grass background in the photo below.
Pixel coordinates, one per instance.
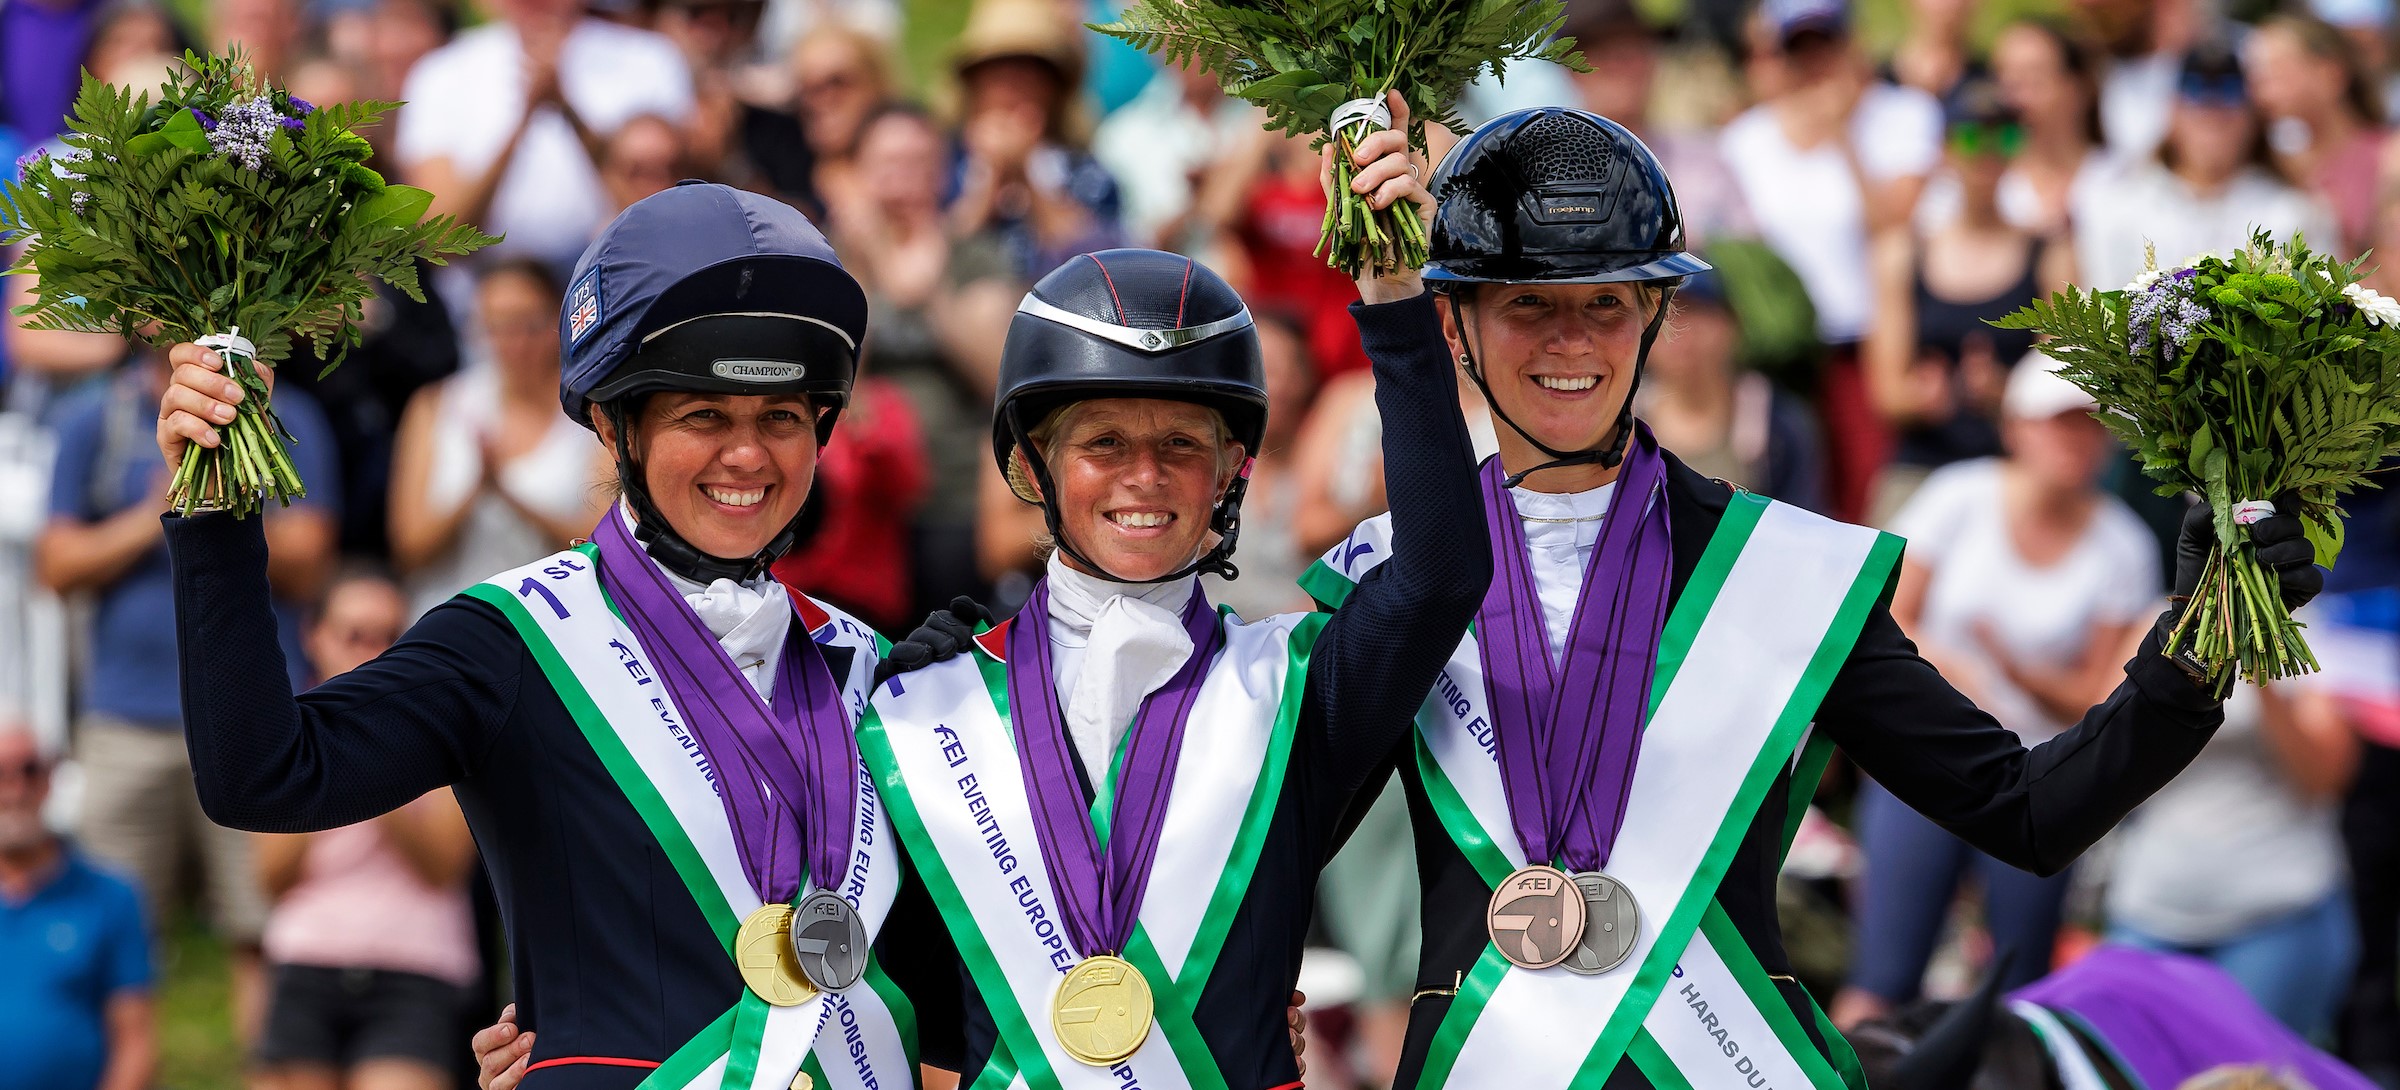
(197, 1050)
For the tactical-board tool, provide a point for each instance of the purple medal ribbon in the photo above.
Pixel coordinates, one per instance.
(783, 772)
(1100, 897)
(1567, 735)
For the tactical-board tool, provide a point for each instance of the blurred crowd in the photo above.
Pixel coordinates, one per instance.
(1870, 201)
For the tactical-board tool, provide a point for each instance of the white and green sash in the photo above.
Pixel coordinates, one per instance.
(1777, 601)
(861, 1038)
(944, 750)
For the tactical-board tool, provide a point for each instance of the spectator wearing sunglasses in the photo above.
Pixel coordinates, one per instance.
(75, 1004)
(1935, 367)
(2051, 79)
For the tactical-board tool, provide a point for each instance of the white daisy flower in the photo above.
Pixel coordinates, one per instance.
(2379, 308)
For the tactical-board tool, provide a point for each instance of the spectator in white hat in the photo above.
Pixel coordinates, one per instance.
(2023, 582)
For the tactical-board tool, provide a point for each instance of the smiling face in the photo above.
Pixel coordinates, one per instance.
(1137, 479)
(1558, 358)
(728, 471)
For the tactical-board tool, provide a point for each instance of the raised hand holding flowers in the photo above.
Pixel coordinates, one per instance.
(227, 213)
(2268, 382)
(1322, 68)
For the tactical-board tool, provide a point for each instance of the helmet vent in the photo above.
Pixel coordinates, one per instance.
(1565, 151)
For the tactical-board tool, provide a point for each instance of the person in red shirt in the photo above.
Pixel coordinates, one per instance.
(870, 478)
(1277, 228)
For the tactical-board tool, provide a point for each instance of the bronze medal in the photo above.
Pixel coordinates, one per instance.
(1536, 917)
(762, 950)
(1102, 1010)
(1611, 922)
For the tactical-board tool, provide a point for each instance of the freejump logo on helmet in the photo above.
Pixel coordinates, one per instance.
(583, 306)
(1572, 170)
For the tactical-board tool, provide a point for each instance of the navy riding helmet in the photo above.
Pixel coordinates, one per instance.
(1557, 196)
(1130, 323)
(704, 287)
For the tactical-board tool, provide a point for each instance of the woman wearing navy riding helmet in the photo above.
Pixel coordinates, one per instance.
(651, 738)
(1126, 795)
(1615, 759)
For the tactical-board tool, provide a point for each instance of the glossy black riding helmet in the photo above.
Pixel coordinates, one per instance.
(1131, 323)
(1556, 196)
(706, 288)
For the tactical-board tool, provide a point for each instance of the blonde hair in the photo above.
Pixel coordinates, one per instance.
(2244, 1077)
(1020, 476)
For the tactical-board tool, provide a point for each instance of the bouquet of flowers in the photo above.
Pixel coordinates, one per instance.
(1321, 67)
(225, 212)
(2267, 377)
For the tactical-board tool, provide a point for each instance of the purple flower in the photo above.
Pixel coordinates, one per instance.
(61, 162)
(294, 124)
(244, 131)
(31, 159)
(207, 123)
(2164, 316)
(302, 107)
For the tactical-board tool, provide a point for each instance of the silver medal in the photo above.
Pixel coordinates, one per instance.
(829, 941)
(1611, 922)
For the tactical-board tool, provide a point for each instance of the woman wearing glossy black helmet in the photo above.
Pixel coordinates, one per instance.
(651, 739)
(1616, 757)
(1129, 793)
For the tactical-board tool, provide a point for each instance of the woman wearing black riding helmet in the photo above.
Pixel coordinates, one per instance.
(650, 737)
(1610, 772)
(1129, 795)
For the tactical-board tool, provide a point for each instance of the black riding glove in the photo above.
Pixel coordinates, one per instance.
(943, 635)
(2282, 547)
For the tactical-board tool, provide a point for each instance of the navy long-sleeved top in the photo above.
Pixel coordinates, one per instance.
(1370, 669)
(611, 956)
(1892, 713)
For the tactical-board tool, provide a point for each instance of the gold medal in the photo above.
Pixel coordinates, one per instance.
(762, 950)
(1101, 1012)
(1536, 917)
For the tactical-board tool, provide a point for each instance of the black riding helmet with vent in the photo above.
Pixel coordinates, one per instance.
(1130, 323)
(1555, 196)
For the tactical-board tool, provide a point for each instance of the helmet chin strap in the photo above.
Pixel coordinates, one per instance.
(1607, 456)
(1226, 520)
(667, 547)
